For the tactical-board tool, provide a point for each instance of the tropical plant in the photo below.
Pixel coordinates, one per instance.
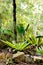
(16, 46)
(40, 50)
(30, 12)
(6, 34)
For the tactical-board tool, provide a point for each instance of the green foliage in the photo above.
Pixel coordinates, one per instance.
(21, 46)
(6, 15)
(33, 39)
(7, 32)
(21, 29)
(27, 12)
(30, 12)
(17, 46)
(29, 23)
(40, 50)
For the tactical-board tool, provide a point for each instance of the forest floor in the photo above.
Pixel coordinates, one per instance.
(7, 54)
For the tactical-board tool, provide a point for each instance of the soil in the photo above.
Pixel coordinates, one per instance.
(6, 54)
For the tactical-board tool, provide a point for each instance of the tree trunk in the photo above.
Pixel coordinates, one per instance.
(14, 16)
